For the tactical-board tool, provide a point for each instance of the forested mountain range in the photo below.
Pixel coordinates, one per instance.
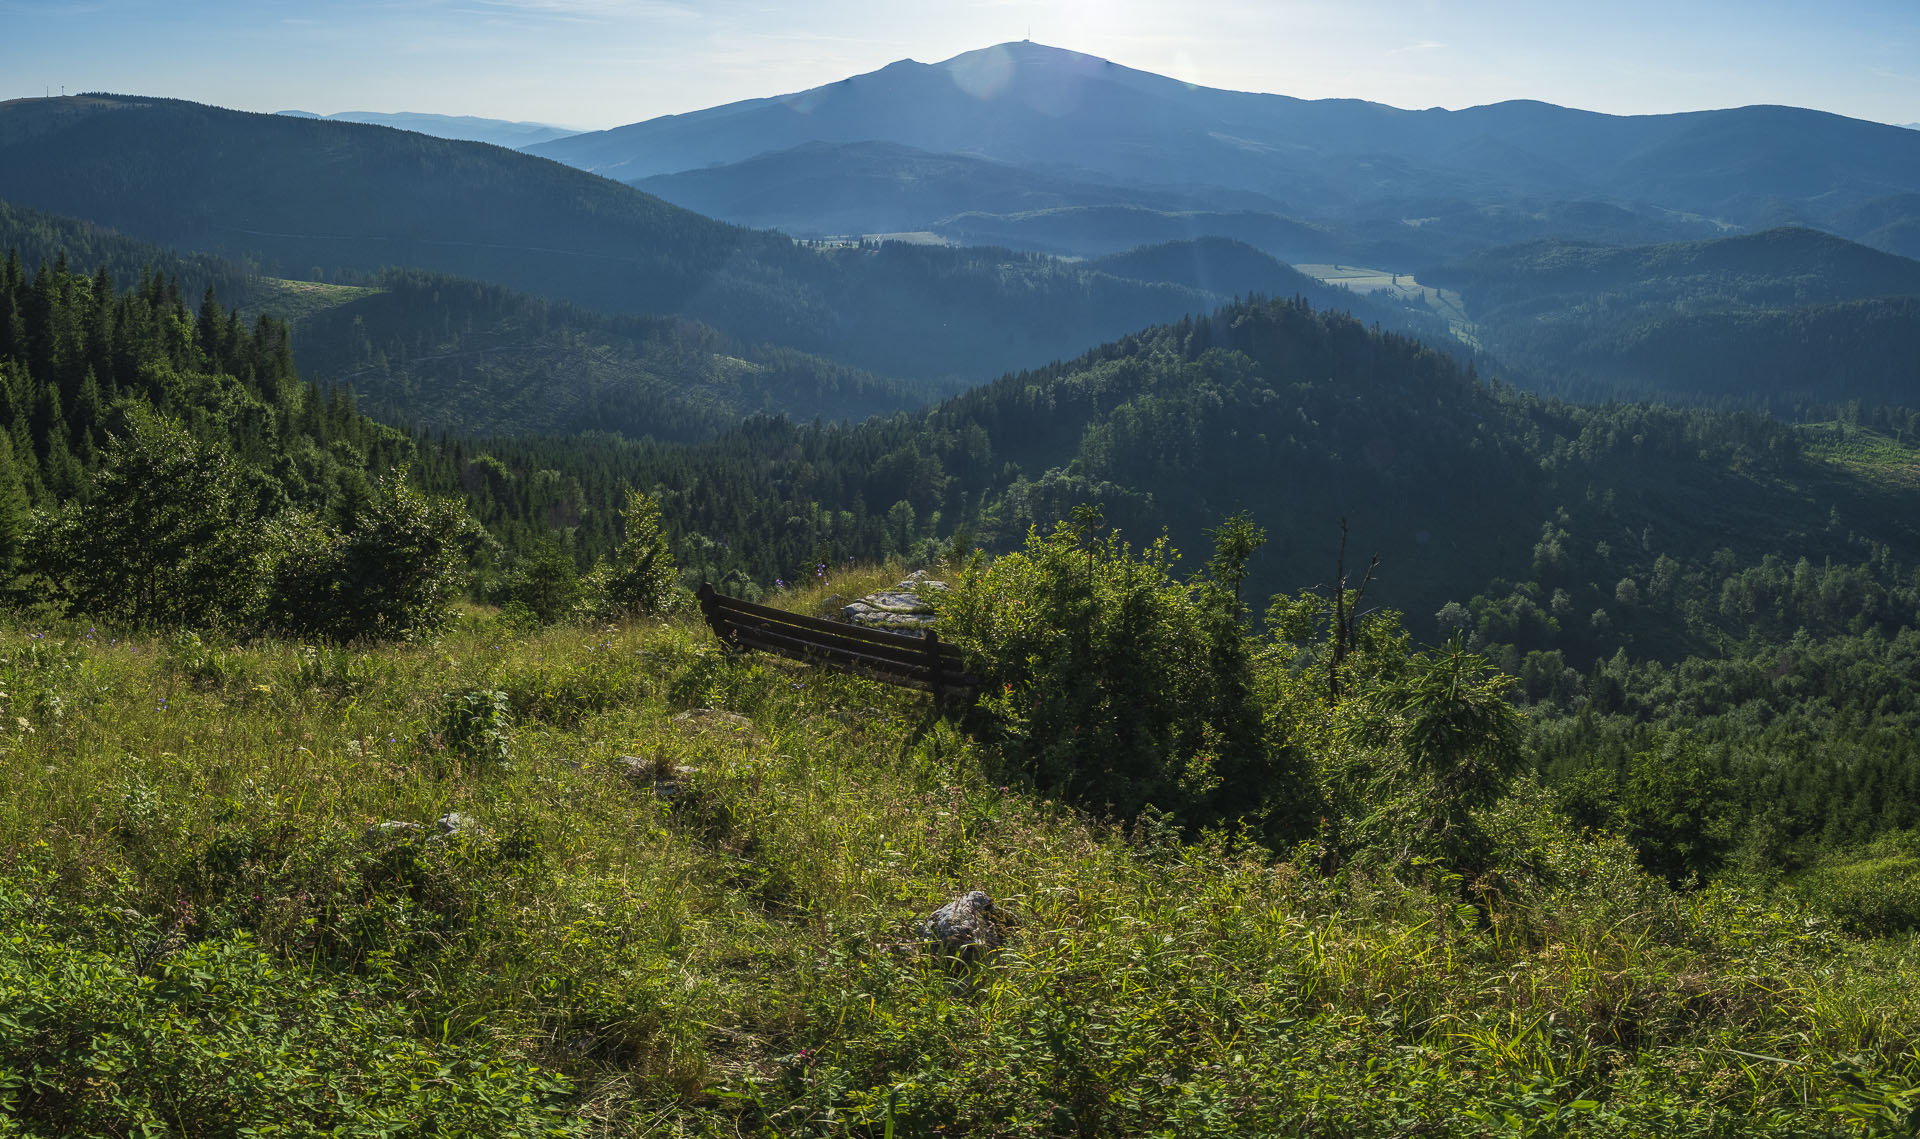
(1297, 416)
(300, 196)
(470, 128)
(1781, 317)
(1321, 161)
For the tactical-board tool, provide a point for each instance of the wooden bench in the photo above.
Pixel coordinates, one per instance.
(923, 662)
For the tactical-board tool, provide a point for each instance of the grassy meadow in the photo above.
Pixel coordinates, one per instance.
(609, 881)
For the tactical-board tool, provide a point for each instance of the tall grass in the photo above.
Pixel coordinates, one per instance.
(682, 897)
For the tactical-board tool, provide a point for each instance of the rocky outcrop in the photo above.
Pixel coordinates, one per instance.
(666, 781)
(968, 927)
(905, 608)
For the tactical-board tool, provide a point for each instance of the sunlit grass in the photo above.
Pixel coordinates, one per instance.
(1863, 451)
(695, 883)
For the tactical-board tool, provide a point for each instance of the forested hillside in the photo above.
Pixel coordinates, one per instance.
(460, 356)
(39, 238)
(1781, 318)
(468, 359)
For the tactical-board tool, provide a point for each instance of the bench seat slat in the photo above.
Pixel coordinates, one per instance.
(816, 624)
(881, 668)
(896, 658)
(912, 654)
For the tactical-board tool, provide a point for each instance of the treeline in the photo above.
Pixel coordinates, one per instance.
(166, 467)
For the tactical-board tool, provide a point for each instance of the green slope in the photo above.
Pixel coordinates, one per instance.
(471, 359)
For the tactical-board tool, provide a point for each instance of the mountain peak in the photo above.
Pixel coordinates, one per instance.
(991, 71)
(1024, 51)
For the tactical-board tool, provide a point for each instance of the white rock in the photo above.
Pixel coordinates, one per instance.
(967, 926)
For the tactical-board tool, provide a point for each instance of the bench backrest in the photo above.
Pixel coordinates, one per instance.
(923, 662)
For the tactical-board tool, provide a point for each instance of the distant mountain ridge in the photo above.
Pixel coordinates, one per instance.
(819, 189)
(465, 128)
(1063, 113)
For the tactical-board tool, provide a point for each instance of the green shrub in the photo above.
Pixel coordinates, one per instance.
(477, 724)
(390, 573)
(338, 672)
(1875, 891)
(1113, 683)
(164, 538)
(209, 665)
(566, 692)
(1440, 742)
(216, 1038)
(547, 586)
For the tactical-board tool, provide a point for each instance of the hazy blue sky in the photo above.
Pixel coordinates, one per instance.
(598, 63)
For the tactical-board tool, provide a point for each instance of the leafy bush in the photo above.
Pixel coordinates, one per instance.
(1113, 683)
(477, 724)
(1876, 892)
(338, 672)
(546, 588)
(164, 538)
(567, 691)
(390, 573)
(216, 1038)
(211, 665)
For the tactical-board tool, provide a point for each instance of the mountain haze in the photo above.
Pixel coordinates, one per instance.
(468, 128)
(819, 189)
